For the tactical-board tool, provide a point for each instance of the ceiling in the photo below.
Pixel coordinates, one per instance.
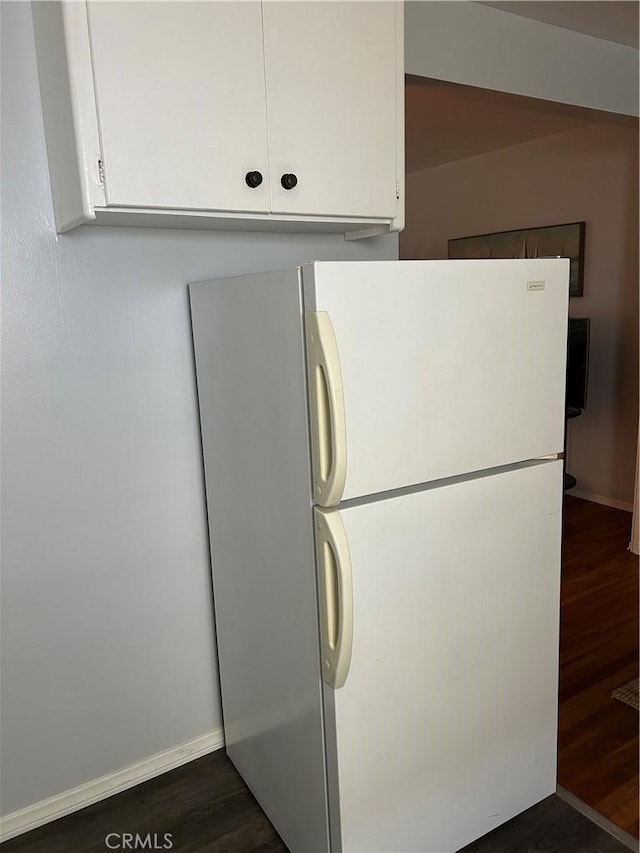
(613, 20)
(447, 122)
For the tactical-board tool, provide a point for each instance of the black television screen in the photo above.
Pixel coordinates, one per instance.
(577, 362)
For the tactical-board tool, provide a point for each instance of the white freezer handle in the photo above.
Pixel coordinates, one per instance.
(335, 591)
(327, 410)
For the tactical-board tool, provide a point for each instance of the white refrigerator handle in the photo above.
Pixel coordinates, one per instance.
(328, 426)
(335, 592)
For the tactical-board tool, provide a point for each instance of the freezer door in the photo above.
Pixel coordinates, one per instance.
(445, 724)
(420, 370)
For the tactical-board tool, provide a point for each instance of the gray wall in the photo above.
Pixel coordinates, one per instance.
(480, 46)
(107, 633)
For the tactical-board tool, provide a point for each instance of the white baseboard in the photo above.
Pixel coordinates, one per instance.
(600, 499)
(623, 837)
(105, 786)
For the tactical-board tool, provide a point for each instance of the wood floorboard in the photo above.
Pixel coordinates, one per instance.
(204, 805)
(551, 826)
(206, 808)
(598, 736)
(619, 799)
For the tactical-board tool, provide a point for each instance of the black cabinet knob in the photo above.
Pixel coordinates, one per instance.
(288, 181)
(253, 179)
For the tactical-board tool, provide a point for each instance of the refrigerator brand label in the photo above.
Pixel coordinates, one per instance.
(536, 285)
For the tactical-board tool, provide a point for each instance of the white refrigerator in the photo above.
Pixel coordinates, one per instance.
(382, 447)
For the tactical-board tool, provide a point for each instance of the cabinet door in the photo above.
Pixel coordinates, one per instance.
(181, 105)
(331, 94)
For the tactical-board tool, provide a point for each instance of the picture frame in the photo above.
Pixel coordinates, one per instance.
(566, 240)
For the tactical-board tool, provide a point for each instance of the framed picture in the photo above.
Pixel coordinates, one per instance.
(566, 241)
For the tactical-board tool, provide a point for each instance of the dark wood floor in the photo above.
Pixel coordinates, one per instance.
(207, 809)
(598, 736)
(204, 805)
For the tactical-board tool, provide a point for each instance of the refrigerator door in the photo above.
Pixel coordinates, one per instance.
(420, 370)
(445, 725)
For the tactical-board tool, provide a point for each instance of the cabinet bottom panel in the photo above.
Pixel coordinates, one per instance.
(221, 221)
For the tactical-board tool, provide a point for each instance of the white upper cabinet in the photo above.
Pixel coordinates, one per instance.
(181, 109)
(241, 115)
(333, 123)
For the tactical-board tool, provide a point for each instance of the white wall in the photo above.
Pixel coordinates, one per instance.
(589, 174)
(107, 634)
(466, 42)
